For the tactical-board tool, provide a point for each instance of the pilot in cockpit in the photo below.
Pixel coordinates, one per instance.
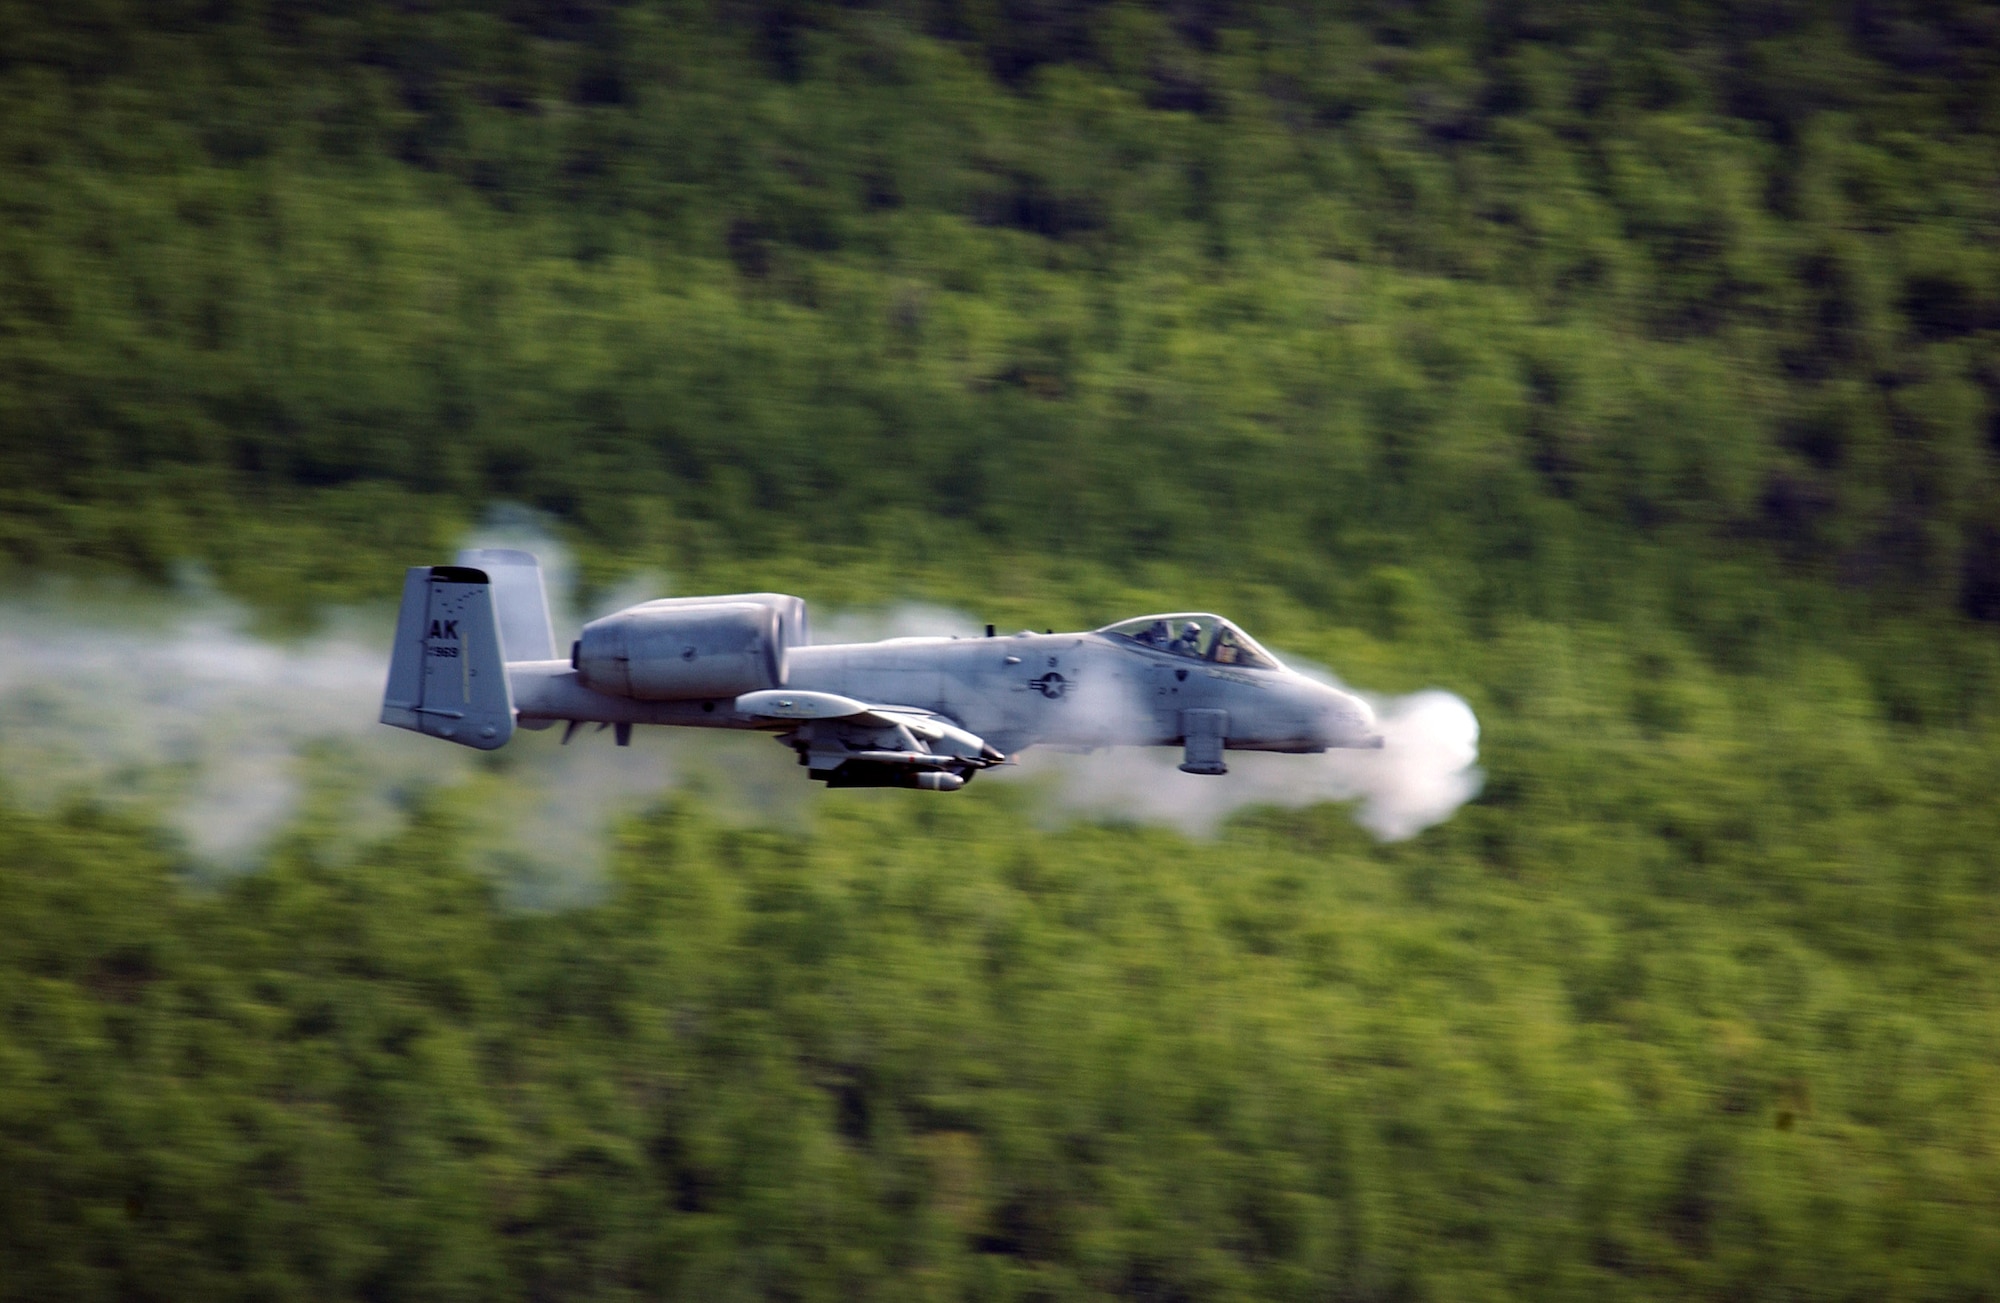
(1189, 643)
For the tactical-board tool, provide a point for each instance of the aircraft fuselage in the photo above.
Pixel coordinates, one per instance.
(1067, 689)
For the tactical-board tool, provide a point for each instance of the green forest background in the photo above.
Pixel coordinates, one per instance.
(1632, 370)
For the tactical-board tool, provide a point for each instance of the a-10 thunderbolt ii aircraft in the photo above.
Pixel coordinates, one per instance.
(475, 657)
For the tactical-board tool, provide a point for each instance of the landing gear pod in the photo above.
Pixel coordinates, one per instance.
(1204, 732)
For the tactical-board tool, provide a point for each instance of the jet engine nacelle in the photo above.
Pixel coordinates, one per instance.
(686, 650)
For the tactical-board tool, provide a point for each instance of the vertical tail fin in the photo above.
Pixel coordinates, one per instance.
(519, 600)
(447, 676)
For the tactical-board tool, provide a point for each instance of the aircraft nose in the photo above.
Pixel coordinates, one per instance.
(1347, 721)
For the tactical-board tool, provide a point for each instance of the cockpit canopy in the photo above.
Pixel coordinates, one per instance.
(1195, 635)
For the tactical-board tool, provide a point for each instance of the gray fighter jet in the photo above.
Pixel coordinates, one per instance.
(475, 657)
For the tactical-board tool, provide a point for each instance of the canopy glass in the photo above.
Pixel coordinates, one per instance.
(1195, 635)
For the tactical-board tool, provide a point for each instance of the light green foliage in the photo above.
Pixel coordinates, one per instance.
(1630, 370)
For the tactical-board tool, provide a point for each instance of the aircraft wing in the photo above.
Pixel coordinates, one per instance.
(780, 705)
(870, 744)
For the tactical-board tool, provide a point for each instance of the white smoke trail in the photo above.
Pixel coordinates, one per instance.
(170, 705)
(173, 705)
(181, 712)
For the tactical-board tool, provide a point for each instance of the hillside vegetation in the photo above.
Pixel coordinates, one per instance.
(1593, 1041)
(1632, 370)
(1499, 294)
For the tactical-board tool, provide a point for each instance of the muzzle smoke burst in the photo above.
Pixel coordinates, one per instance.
(1426, 769)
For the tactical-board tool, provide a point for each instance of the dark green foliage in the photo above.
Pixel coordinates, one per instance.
(1453, 291)
(1715, 1020)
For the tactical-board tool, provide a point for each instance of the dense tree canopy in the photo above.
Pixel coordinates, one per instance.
(1632, 369)
(1449, 287)
(928, 1051)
